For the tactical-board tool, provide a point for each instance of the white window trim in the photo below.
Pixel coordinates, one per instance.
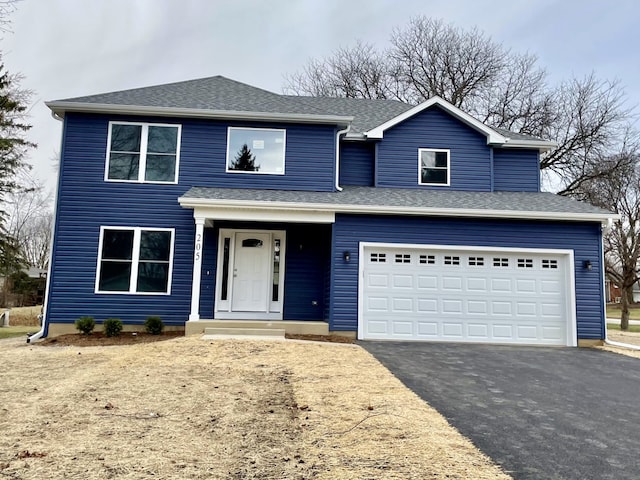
(142, 167)
(448, 152)
(284, 150)
(135, 260)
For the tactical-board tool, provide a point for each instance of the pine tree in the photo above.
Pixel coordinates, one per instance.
(245, 160)
(13, 147)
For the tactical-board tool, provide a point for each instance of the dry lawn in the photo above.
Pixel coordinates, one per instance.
(26, 316)
(194, 409)
(632, 338)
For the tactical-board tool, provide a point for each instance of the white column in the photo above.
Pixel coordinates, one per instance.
(194, 316)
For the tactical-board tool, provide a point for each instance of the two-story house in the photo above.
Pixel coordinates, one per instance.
(210, 200)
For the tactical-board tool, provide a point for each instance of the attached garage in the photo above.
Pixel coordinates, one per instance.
(466, 294)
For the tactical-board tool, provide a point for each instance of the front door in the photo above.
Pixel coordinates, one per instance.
(251, 272)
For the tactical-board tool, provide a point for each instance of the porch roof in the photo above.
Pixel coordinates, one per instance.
(392, 201)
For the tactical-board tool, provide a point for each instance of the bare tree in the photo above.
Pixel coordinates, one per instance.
(30, 220)
(356, 72)
(619, 193)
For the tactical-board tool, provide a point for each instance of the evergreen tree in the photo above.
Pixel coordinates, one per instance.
(245, 160)
(13, 147)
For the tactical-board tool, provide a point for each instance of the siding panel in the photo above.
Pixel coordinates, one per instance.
(516, 170)
(397, 157)
(357, 163)
(583, 238)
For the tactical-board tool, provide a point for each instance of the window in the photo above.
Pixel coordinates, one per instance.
(451, 260)
(549, 263)
(135, 260)
(476, 261)
(525, 263)
(143, 152)
(378, 257)
(500, 262)
(433, 167)
(427, 259)
(255, 150)
(403, 258)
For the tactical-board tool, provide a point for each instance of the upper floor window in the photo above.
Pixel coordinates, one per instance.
(135, 260)
(143, 152)
(433, 166)
(255, 150)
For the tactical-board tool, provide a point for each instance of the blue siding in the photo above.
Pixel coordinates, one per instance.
(357, 163)
(583, 238)
(306, 265)
(397, 155)
(516, 170)
(85, 203)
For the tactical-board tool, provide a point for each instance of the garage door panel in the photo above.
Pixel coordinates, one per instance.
(469, 296)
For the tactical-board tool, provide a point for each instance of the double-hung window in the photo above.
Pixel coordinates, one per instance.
(433, 167)
(256, 150)
(135, 260)
(143, 152)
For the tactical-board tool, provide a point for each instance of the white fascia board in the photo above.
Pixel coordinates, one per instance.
(541, 145)
(261, 213)
(493, 137)
(60, 108)
(219, 206)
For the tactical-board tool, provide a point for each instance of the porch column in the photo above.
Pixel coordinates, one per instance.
(194, 316)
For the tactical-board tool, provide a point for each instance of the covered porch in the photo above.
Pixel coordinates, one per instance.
(259, 269)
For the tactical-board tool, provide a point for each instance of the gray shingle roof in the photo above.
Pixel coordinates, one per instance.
(212, 93)
(367, 113)
(535, 203)
(223, 94)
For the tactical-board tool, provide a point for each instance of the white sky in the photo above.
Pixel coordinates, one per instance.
(68, 48)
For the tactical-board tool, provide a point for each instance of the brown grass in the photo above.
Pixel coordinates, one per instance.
(193, 409)
(623, 337)
(26, 316)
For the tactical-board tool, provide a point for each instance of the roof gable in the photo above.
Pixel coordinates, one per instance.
(495, 136)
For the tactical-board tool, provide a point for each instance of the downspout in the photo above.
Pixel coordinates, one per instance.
(605, 229)
(43, 316)
(338, 134)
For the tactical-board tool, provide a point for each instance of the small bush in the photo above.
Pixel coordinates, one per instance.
(112, 327)
(85, 325)
(154, 325)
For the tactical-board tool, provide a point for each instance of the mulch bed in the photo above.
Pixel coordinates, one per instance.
(98, 339)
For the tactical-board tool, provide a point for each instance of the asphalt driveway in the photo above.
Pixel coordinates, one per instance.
(541, 413)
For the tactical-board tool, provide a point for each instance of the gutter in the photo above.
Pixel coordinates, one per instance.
(187, 202)
(338, 135)
(59, 108)
(43, 316)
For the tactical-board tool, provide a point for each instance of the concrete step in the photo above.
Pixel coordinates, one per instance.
(300, 327)
(241, 332)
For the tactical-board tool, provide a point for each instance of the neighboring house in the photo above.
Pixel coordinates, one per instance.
(212, 200)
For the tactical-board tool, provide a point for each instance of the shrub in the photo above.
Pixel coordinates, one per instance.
(85, 325)
(112, 327)
(154, 325)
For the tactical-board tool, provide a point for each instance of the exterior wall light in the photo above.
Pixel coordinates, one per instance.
(346, 255)
(587, 265)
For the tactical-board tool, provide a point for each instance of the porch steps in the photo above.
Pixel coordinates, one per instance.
(287, 326)
(227, 332)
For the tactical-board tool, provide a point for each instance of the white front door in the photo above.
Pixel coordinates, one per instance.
(251, 272)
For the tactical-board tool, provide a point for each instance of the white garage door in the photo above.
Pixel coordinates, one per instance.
(466, 295)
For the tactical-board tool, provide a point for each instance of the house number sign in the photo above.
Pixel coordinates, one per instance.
(198, 246)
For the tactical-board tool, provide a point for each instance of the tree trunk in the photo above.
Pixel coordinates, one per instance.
(626, 295)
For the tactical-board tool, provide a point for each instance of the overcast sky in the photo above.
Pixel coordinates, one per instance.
(68, 48)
